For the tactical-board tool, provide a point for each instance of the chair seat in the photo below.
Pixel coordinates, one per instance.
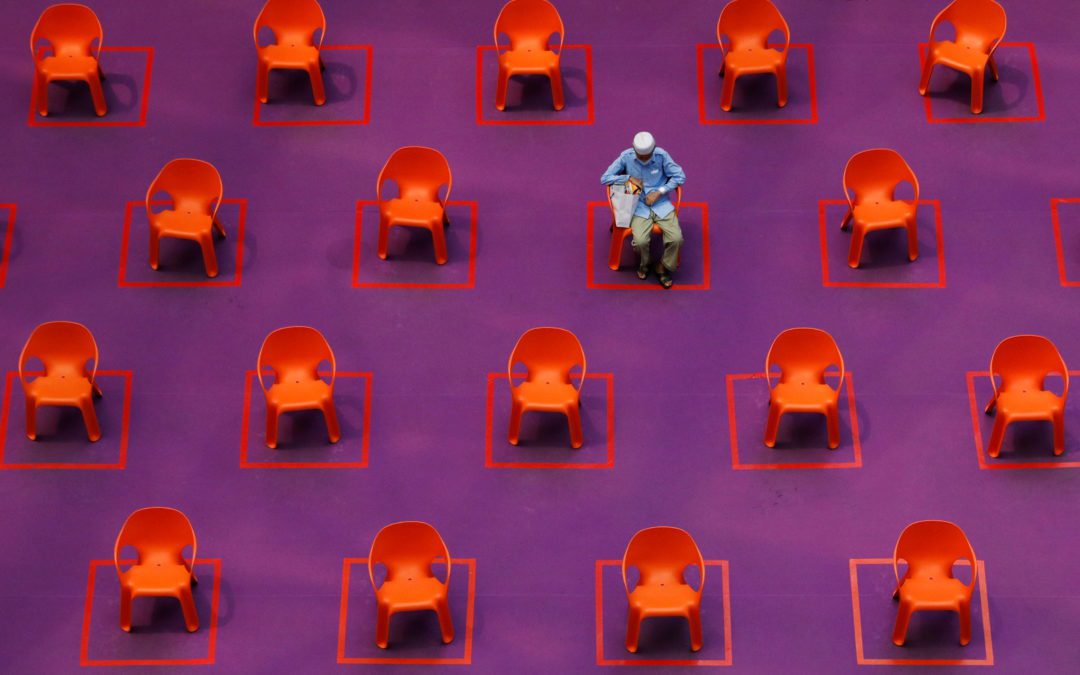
(405, 594)
(1038, 404)
(934, 593)
(807, 396)
(754, 60)
(59, 389)
(666, 599)
(298, 395)
(289, 56)
(961, 57)
(545, 396)
(529, 61)
(68, 67)
(412, 211)
(883, 213)
(156, 578)
(181, 223)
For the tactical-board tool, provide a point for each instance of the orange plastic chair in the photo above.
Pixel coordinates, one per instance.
(1023, 362)
(803, 356)
(294, 354)
(294, 24)
(980, 27)
(70, 31)
(661, 556)
(931, 548)
(747, 25)
(549, 354)
(619, 235)
(529, 24)
(65, 348)
(408, 550)
(159, 536)
(873, 176)
(419, 173)
(196, 192)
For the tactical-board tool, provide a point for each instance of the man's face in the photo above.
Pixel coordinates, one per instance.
(643, 158)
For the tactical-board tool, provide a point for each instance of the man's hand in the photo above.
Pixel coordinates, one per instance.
(651, 198)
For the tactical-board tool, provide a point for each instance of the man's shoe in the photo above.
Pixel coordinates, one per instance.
(643, 273)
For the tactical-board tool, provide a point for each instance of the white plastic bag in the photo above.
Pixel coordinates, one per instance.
(623, 204)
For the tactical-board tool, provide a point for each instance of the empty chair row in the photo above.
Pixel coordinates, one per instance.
(802, 361)
(409, 566)
(298, 27)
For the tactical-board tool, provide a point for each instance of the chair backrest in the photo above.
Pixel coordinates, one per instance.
(529, 24)
(70, 30)
(191, 183)
(158, 534)
(292, 21)
(548, 353)
(1025, 361)
(418, 172)
(875, 173)
(804, 353)
(294, 354)
(407, 549)
(978, 23)
(676, 198)
(63, 347)
(748, 23)
(661, 555)
(931, 547)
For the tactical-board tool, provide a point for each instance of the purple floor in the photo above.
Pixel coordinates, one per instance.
(275, 541)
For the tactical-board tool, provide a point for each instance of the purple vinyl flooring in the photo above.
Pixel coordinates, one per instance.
(420, 341)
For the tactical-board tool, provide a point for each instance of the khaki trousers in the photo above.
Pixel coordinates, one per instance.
(641, 228)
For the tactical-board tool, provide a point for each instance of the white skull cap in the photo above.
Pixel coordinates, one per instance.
(644, 143)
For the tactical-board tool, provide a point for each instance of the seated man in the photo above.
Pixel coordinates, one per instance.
(652, 170)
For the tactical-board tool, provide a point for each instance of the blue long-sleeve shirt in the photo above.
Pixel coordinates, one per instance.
(659, 173)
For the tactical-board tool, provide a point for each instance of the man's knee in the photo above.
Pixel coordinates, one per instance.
(642, 242)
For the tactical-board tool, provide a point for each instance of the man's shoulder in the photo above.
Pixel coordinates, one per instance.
(627, 154)
(660, 152)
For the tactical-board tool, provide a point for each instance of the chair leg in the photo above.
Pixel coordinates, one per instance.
(694, 619)
(446, 621)
(98, 94)
(1059, 433)
(262, 83)
(858, 234)
(43, 95)
(31, 419)
(438, 238)
(558, 100)
(847, 218)
(903, 617)
(206, 242)
(382, 626)
(964, 611)
(318, 89)
(515, 422)
(93, 431)
(271, 427)
(997, 436)
(927, 72)
(727, 93)
(155, 246)
(187, 603)
(618, 237)
(384, 237)
(633, 630)
(781, 86)
(125, 609)
(333, 429)
(912, 240)
(501, 86)
(220, 228)
(573, 420)
(993, 68)
(978, 80)
(832, 423)
(772, 425)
